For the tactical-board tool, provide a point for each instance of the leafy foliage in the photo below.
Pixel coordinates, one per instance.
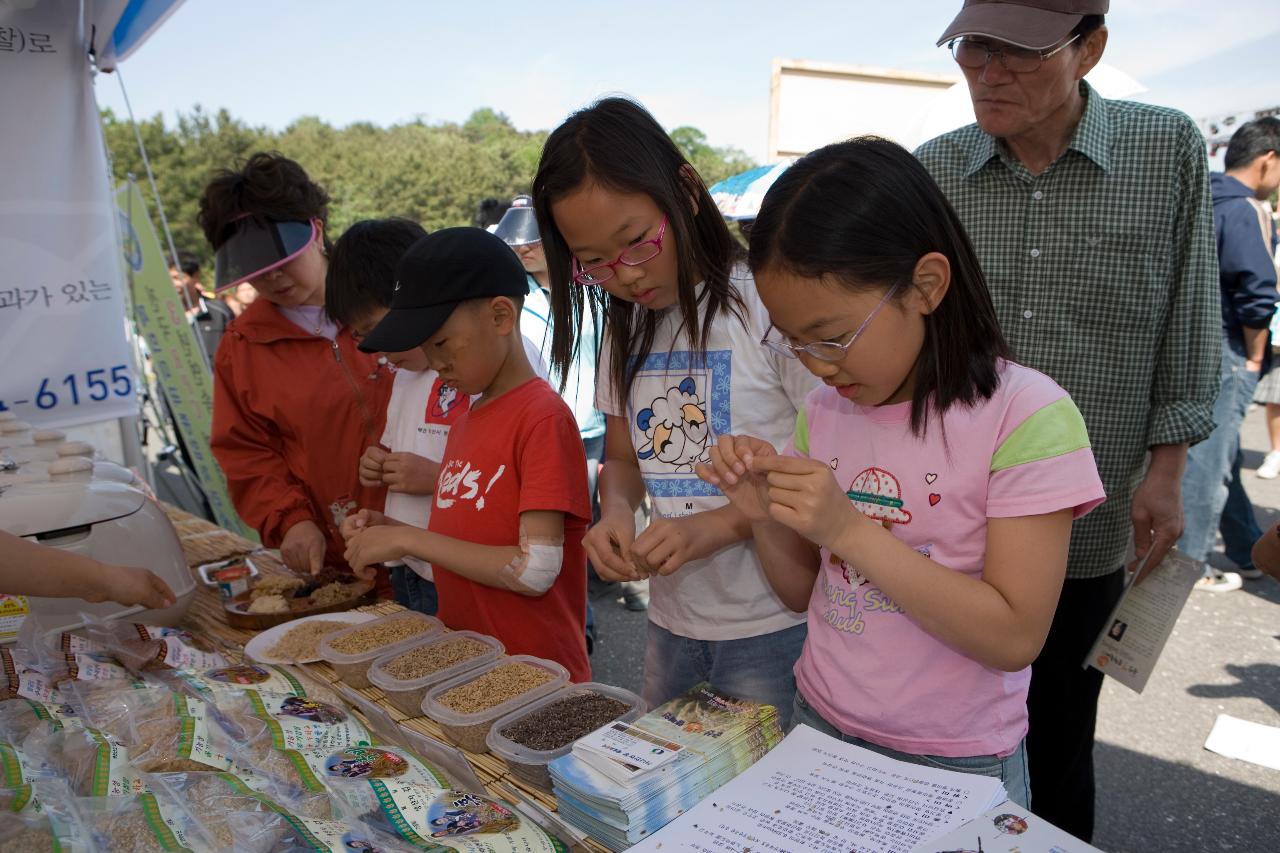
(433, 173)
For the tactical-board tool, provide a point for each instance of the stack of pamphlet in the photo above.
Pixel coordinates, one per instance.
(626, 780)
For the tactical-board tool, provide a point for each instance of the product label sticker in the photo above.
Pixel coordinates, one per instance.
(431, 818)
(300, 723)
(13, 612)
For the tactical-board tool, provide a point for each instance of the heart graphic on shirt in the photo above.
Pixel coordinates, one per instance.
(835, 463)
(934, 497)
(929, 478)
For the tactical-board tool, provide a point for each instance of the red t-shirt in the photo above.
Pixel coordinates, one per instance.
(519, 453)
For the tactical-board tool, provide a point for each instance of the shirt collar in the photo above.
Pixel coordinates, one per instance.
(1091, 138)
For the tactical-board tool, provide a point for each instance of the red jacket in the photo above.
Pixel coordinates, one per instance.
(292, 413)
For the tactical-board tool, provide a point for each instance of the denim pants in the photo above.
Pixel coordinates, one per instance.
(1010, 770)
(1213, 464)
(414, 591)
(754, 668)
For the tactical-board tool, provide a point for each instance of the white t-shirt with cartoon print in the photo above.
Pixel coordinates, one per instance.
(680, 404)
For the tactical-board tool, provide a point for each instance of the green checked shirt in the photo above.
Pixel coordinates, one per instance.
(1104, 273)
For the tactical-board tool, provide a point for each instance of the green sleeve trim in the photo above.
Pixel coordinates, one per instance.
(801, 436)
(1055, 430)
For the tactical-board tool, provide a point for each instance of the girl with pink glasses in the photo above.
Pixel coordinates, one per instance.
(627, 220)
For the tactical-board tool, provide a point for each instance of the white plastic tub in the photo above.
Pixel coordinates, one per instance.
(353, 668)
(469, 730)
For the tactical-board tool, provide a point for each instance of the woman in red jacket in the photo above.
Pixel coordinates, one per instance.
(295, 402)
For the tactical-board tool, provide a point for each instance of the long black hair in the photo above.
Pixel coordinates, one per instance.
(618, 145)
(861, 214)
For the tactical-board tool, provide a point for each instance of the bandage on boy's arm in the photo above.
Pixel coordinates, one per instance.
(621, 487)
(494, 565)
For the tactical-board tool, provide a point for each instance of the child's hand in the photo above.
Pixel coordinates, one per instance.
(371, 467)
(303, 548)
(804, 495)
(730, 470)
(357, 521)
(409, 473)
(372, 546)
(668, 543)
(608, 546)
(128, 585)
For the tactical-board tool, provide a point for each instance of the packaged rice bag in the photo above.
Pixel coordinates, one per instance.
(432, 818)
(19, 798)
(146, 823)
(57, 828)
(211, 798)
(239, 677)
(107, 705)
(93, 764)
(174, 732)
(295, 722)
(266, 832)
(174, 651)
(20, 717)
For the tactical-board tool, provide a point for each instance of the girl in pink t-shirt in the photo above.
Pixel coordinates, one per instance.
(922, 511)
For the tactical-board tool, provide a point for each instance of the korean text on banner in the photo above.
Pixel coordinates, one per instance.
(62, 330)
(175, 356)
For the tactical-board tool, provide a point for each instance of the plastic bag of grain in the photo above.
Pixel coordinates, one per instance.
(145, 823)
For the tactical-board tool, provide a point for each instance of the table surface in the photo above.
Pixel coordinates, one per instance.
(207, 616)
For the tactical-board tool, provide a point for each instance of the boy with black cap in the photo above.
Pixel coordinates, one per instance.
(511, 502)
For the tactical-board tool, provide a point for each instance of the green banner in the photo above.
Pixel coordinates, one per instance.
(175, 354)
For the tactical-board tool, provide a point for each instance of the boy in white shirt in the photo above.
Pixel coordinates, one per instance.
(422, 409)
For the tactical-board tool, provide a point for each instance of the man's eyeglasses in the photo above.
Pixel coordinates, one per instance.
(971, 53)
(828, 351)
(632, 256)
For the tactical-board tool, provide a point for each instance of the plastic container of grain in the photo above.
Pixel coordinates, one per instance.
(406, 695)
(530, 765)
(352, 668)
(469, 730)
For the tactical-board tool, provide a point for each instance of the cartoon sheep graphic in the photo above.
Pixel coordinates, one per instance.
(676, 428)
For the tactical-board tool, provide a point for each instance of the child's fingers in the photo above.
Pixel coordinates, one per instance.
(706, 472)
(605, 555)
(724, 456)
(785, 465)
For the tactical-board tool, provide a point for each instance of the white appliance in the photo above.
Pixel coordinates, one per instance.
(54, 493)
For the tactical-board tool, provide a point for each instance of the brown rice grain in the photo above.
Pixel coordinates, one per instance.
(380, 634)
(498, 685)
(425, 660)
(302, 641)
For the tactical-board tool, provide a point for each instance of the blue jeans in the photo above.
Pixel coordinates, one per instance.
(414, 591)
(1212, 464)
(1239, 526)
(754, 668)
(1010, 770)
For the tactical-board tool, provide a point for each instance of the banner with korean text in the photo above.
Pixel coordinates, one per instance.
(63, 340)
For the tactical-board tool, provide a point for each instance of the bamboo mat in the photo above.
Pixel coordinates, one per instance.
(206, 616)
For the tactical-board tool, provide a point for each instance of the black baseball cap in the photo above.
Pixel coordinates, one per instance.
(437, 273)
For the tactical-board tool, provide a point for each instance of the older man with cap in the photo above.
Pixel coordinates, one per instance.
(1093, 222)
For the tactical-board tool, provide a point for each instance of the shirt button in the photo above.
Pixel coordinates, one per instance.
(1035, 253)
(1028, 314)
(1037, 195)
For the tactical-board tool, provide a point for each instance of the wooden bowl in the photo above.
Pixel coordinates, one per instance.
(238, 616)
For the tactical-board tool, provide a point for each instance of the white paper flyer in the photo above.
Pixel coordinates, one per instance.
(1137, 630)
(815, 793)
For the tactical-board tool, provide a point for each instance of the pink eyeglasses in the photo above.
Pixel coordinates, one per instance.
(632, 256)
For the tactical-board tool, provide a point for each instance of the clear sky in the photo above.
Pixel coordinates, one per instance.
(694, 62)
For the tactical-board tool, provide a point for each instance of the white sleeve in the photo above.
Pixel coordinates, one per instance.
(535, 358)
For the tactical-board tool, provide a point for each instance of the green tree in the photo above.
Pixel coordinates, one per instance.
(435, 173)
